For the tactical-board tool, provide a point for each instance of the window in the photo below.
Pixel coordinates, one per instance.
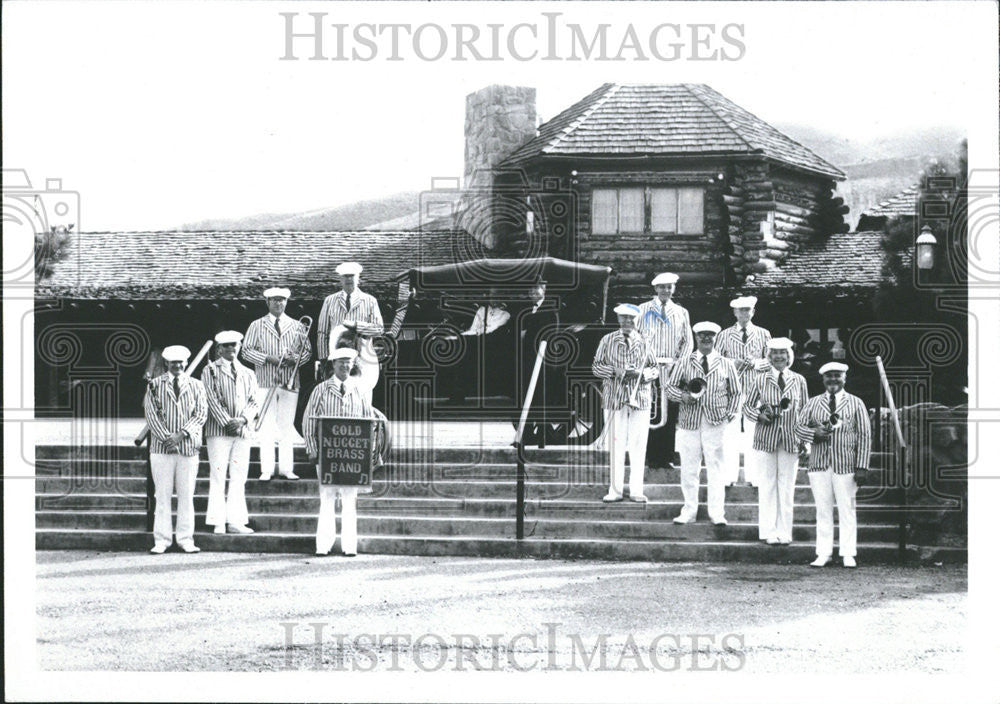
(673, 211)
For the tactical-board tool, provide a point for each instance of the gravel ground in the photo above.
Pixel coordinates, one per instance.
(239, 612)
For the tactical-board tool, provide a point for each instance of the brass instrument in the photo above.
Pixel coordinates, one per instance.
(302, 345)
(776, 410)
(696, 387)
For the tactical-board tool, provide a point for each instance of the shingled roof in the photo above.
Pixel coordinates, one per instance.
(664, 120)
(850, 260)
(183, 265)
(903, 203)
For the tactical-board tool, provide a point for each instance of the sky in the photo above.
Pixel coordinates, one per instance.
(167, 113)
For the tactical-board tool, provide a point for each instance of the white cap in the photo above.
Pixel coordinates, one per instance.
(706, 326)
(779, 343)
(743, 302)
(349, 269)
(665, 278)
(176, 353)
(276, 292)
(227, 337)
(833, 367)
(343, 353)
(627, 309)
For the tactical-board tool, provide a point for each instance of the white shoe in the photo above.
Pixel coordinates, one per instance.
(190, 547)
(638, 498)
(820, 562)
(850, 562)
(683, 520)
(158, 549)
(720, 522)
(243, 530)
(290, 475)
(612, 497)
(265, 478)
(773, 541)
(221, 528)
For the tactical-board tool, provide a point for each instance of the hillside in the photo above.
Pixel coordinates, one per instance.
(353, 216)
(877, 168)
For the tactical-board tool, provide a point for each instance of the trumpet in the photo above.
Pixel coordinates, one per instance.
(696, 387)
(302, 345)
(775, 410)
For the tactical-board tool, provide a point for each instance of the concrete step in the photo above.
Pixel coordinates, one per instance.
(591, 509)
(656, 550)
(405, 525)
(434, 488)
(472, 454)
(63, 491)
(99, 470)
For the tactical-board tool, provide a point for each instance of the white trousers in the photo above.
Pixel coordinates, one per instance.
(326, 526)
(692, 444)
(172, 472)
(628, 431)
(776, 493)
(827, 486)
(227, 455)
(278, 424)
(741, 442)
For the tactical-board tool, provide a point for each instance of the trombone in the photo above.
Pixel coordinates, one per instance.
(302, 345)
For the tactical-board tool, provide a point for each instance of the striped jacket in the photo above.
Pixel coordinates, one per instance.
(262, 340)
(614, 356)
(850, 446)
(327, 400)
(783, 432)
(364, 311)
(166, 413)
(721, 399)
(668, 329)
(229, 398)
(730, 345)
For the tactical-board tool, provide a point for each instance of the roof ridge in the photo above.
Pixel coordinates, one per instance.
(570, 128)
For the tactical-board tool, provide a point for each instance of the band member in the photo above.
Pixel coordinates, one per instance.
(277, 346)
(774, 401)
(837, 425)
(359, 312)
(745, 344)
(667, 326)
(707, 387)
(232, 393)
(337, 396)
(625, 361)
(176, 409)
(537, 323)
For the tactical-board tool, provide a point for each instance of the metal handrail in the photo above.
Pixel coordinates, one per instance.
(904, 508)
(519, 444)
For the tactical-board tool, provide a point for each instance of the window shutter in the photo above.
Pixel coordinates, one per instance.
(664, 210)
(691, 208)
(631, 210)
(605, 211)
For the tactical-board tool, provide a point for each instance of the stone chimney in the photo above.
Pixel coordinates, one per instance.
(498, 120)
